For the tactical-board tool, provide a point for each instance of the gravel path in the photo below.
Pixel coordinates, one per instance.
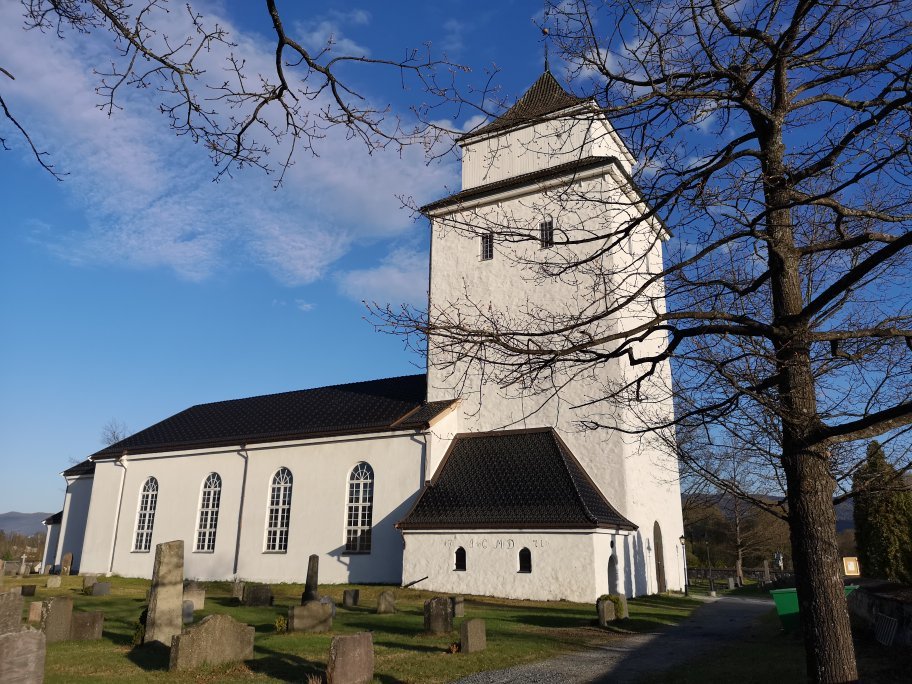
(711, 626)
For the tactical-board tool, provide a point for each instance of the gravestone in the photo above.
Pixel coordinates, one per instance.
(88, 581)
(257, 594)
(11, 604)
(101, 589)
(622, 611)
(237, 590)
(86, 625)
(34, 616)
(196, 596)
(187, 612)
(473, 636)
(386, 602)
(310, 587)
(164, 613)
(28, 589)
(457, 606)
(214, 640)
(46, 569)
(766, 572)
(22, 657)
(606, 611)
(437, 619)
(66, 563)
(350, 598)
(54, 582)
(351, 659)
(312, 616)
(24, 567)
(731, 583)
(56, 616)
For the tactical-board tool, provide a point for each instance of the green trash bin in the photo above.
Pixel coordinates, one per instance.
(786, 601)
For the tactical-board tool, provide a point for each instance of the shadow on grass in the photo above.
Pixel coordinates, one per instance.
(285, 667)
(399, 646)
(152, 656)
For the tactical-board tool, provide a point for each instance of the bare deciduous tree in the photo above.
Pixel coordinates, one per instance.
(114, 431)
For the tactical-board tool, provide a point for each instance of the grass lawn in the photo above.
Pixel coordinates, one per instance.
(517, 632)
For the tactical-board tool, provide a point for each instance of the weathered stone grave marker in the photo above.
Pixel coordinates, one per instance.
(350, 598)
(10, 612)
(86, 625)
(214, 640)
(56, 617)
(54, 582)
(731, 583)
(237, 590)
(66, 563)
(606, 611)
(351, 659)
(187, 612)
(386, 602)
(196, 595)
(22, 657)
(766, 572)
(88, 581)
(473, 636)
(34, 616)
(457, 606)
(163, 620)
(101, 589)
(437, 618)
(257, 594)
(312, 583)
(312, 616)
(28, 589)
(24, 567)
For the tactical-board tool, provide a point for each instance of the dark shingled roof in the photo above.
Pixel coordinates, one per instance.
(55, 519)
(512, 479)
(358, 407)
(539, 176)
(86, 467)
(545, 97)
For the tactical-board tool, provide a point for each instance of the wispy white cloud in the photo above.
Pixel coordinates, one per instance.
(401, 278)
(303, 305)
(147, 195)
(453, 37)
(326, 33)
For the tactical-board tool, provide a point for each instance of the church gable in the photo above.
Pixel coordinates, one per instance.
(512, 479)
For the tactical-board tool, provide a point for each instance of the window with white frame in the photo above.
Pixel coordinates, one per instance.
(487, 246)
(360, 509)
(546, 232)
(145, 517)
(208, 513)
(279, 511)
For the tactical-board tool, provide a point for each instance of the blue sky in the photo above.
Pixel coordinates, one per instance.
(138, 287)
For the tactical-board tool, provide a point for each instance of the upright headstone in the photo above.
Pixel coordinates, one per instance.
(86, 625)
(196, 595)
(24, 566)
(46, 569)
(54, 582)
(351, 659)
(457, 606)
(56, 616)
(257, 594)
(350, 598)
(214, 640)
(164, 616)
(187, 612)
(28, 589)
(437, 619)
(310, 587)
(34, 617)
(11, 604)
(237, 590)
(66, 563)
(473, 636)
(731, 583)
(101, 589)
(606, 611)
(623, 611)
(22, 657)
(311, 616)
(766, 572)
(386, 602)
(88, 581)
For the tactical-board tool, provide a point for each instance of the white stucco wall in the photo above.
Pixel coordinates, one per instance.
(49, 556)
(75, 518)
(320, 469)
(102, 518)
(570, 565)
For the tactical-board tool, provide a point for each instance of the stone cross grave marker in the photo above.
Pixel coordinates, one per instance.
(56, 616)
(86, 625)
(473, 636)
(164, 616)
(437, 619)
(386, 602)
(214, 640)
(22, 657)
(66, 563)
(351, 659)
(11, 604)
(310, 587)
(350, 598)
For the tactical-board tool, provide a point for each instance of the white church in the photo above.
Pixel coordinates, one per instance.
(443, 477)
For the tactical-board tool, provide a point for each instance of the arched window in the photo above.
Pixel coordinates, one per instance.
(279, 511)
(525, 560)
(208, 513)
(145, 518)
(460, 559)
(360, 509)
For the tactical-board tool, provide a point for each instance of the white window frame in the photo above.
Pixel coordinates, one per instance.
(359, 511)
(278, 512)
(207, 520)
(145, 515)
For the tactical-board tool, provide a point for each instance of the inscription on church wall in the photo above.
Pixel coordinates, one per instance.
(495, 543)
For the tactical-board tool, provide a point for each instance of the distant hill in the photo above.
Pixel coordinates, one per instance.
(23, 523)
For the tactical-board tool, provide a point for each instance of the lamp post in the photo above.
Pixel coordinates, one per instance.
(684, 555)
(712, 586)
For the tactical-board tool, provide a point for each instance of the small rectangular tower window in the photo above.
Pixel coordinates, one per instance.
(487, 246)
(546, 232)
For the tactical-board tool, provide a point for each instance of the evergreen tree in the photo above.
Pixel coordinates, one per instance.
(883, 518)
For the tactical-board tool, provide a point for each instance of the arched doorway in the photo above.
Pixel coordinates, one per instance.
(659, 558)
(613, 575)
